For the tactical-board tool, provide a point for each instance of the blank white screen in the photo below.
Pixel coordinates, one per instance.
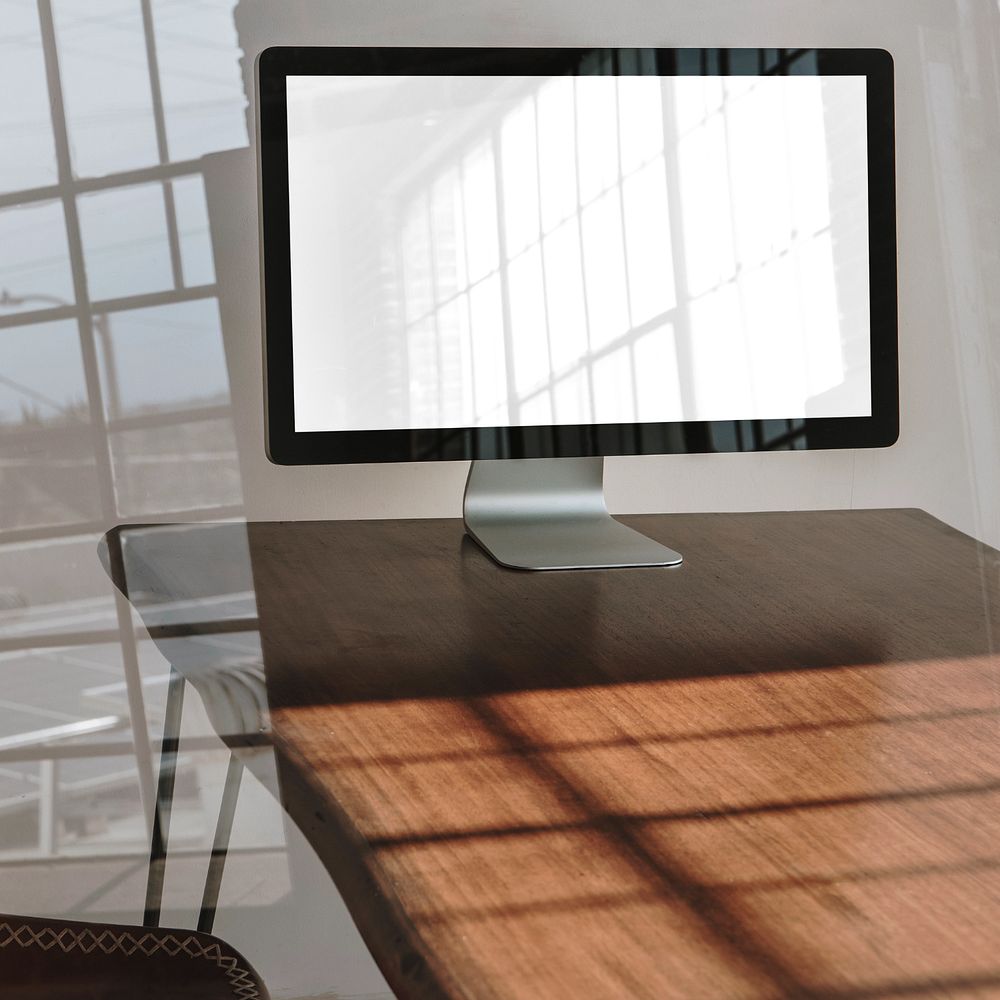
(480, 251)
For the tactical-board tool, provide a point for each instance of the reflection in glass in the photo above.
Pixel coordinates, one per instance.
(640, 121)
(163, 358)
(714, 320)
(125, 241)
(596, 130)
(565, 300)
(27, 151)
(527, 316)
(19, 807)
(198, 55)
(556, 157)
(69, 801)
(34, 258)
(647, 242)
(656, 375)
(614, 393)
(446, 224)
(96, 807)
(192, 225)
(106, 90)
(416, 258)
(479, 207)
(176, 467)
(519, 159)
(65, 804)
(47, 477)
(604, 270)
(53, 586)
(74, 831)
(537, 409)
(704, 186)
(41, 375)
(542, 228)
(572, 396)
(488, 361)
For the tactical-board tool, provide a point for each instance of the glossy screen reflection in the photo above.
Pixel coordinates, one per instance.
(515, 251)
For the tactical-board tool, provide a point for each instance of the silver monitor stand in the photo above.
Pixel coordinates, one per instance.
(549, 513)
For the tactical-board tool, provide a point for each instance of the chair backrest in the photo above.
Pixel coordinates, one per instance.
(69, 959)
(180, 576)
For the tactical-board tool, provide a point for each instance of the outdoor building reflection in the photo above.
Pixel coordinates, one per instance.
(114, 396)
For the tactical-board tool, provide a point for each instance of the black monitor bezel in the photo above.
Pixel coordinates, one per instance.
(286, 446)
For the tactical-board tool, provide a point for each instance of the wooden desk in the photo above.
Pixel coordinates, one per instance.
(774, 771)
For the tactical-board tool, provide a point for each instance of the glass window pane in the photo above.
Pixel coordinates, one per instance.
(50, 687)
(198, 55)
(105, 83)
(99, 806)
(27, 151)
(125, 241)
(19, 782)
(164, 358)
(178, 467)
(47, 477)
(34, 258)
(54, 586)
(192, 226)
(41, 376)
(74, 684)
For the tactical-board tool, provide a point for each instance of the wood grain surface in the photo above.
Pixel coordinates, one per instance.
(773, 771)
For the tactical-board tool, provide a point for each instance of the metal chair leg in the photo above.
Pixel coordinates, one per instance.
(164, 798)
(220, 846)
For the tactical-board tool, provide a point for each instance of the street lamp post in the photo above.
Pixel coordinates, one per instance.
(102, 326)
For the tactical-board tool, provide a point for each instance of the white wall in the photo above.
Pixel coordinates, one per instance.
(948, 150)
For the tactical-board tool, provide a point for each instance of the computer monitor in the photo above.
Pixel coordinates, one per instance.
(534, 258)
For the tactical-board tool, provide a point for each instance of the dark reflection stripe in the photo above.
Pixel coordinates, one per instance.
(741, 941)
(674, 739)
(601, 819)
(932, 986)
(622, 900)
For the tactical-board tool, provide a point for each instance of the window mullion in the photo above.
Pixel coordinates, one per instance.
(160, 123)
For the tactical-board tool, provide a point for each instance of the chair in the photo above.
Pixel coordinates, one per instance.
(190, 582)
(42, 959)
(166, 576)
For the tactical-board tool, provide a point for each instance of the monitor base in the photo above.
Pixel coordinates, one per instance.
(549, 513)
